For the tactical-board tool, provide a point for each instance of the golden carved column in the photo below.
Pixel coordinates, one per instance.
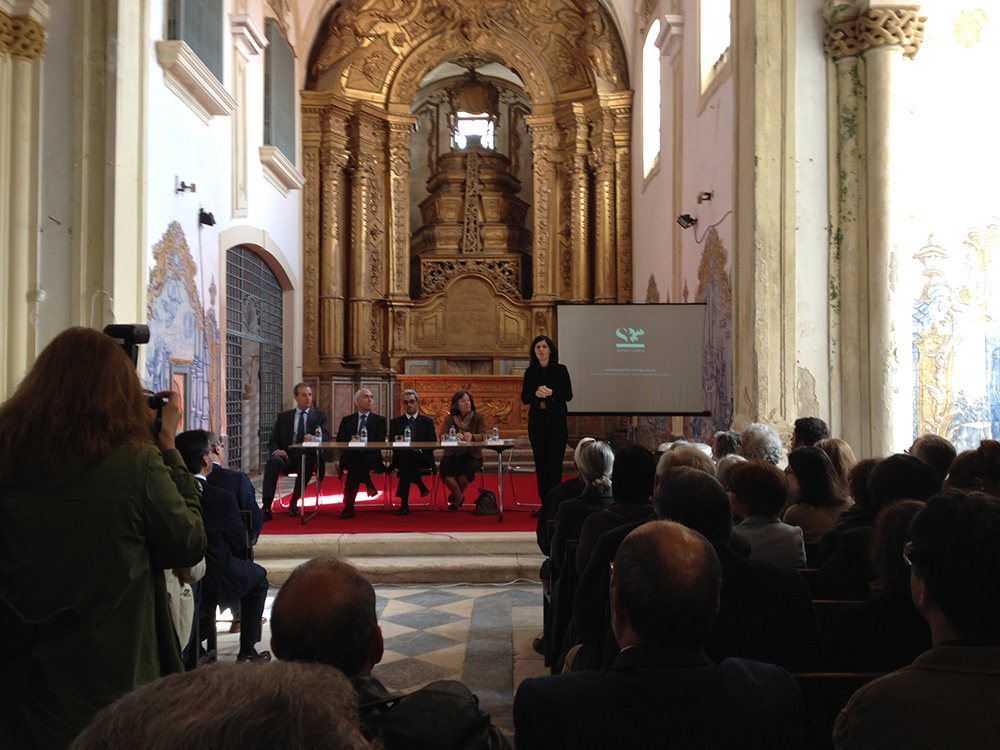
(312, 211)
(22, 46)
(399, 128)
(579, 218)
(605, 214)
(882, 35)
(333, 252)
(546, 204)
(620, 106)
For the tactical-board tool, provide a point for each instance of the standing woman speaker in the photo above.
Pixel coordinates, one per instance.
(546, 389)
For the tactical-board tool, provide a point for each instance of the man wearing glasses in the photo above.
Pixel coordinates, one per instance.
(410, 463)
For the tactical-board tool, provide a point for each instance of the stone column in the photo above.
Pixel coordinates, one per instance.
(545, 136)
(865, 247)
(22, 46)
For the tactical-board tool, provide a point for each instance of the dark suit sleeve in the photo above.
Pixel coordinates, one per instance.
(346, 428)
(274, 444)
(249, 502)
(376, 433)
(562, 389)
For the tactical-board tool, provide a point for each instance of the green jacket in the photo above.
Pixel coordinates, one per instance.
(82, 592)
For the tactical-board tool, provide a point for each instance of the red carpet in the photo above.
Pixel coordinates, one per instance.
(372, 518)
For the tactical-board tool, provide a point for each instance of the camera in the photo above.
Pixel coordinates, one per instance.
(129, 336)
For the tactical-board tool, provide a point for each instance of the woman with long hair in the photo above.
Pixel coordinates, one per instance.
(757, 493)
(459, 465)
(94, 510)
(819, 494)
(977, 469)
(841, 455)
(546, 389)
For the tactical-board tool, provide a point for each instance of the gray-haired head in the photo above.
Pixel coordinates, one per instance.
(763, 442)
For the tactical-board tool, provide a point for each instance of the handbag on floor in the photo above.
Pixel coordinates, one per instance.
(486, 503)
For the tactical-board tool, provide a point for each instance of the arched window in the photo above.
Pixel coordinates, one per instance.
(650, 100)
(713, 40)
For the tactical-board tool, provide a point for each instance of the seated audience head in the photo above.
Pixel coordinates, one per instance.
(809, 431)
(596, 462)
(935, 450)
(229, 706)
(813, 480)
(462, 403)
(195, 449)
(81, 398)
(892, 532)
(759, 488)
(977, 469)
(857, 480)
(901, 477)
(632, 475)
(684, 455)
(697, 500)
(724, 468)
(763, 442)
(956, 566)
(841, 456)
(665, 587)
(325, 613)
(726, 443)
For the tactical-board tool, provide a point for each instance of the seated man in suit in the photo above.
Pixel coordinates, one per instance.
(948, 696)
(238, 483)
(325, 614)
(229, 579)
(290, 428)
(360, 463)
(409, 463)
(662, 690)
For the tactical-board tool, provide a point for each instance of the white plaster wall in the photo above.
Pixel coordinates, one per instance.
(56, 136)
(704, 162)
(812, 220)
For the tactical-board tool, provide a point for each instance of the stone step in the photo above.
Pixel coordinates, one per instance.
(418, 557)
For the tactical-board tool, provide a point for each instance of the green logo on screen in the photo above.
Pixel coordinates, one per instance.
(631, 338)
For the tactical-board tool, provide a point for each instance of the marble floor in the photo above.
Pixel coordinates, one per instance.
(480, 634)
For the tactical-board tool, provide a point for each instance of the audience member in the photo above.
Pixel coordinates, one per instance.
(977, 469)
(725, 466)
(291, 428)
(230, 579)
(239, 484)
(683, 454)
(844, 558)
(841, 456)
(725, 443)
(763, 442)
(765, 613)
(632, 488)
(410, 463)
(809, 431)
(358, 464)
(566, 490)
(860, 514)
(662, 690)
(758, 491)
(94, 510)
(234, 707)
(887, 632)
(935, 450)
(325, 613)
(596, 463)
(459, 465)
(818, 495)
(948, 696)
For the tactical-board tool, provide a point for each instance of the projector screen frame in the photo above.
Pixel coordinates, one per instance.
(640, 413)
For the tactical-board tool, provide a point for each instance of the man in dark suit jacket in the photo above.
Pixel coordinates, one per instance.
(409, 463)
(236, 482)
(662, 690)
(291, 427)
(360, 463)
(229, 580)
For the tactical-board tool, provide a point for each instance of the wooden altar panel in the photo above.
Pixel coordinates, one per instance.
(497, 397)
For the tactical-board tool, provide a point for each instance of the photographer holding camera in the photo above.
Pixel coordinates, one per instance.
(94, 510)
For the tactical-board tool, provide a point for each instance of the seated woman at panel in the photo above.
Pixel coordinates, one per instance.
(459, 465)
(95, 507)
(757, 493)
(818, 494)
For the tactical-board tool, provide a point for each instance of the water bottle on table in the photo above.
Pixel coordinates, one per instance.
(452, 435)
(406, 434)
(318, 435)
(364, 435)
(496, 433)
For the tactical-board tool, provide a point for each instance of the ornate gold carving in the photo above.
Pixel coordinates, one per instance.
(21, 37)
(505, 274)
(877, 27)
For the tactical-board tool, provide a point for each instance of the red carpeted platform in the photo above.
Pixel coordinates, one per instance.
(372, 518)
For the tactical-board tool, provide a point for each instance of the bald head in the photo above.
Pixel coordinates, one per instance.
(665, 586)
(325, 613)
